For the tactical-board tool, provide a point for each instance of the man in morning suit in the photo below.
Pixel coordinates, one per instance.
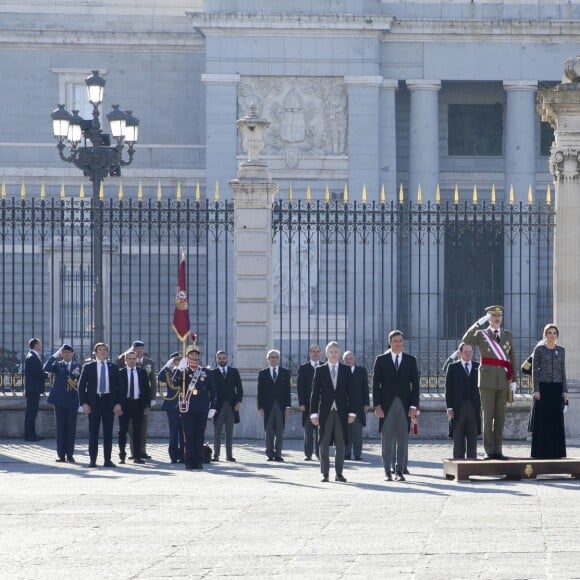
(274, 403)
(135, 402)
(496, 375)
(99, 395)
(230, 393)
(304, 387)
(64, 395)
(360, 385)
(332, 409)
(34, 378)
(396, 399)
(463, 403)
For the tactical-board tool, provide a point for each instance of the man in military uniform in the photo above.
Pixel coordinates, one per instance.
(197, 404)
(495, 376)
(171, 407)
(64, 395)
(144, 362)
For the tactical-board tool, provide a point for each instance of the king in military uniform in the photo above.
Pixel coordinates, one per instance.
(495, 376)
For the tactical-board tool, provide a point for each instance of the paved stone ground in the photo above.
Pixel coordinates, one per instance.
(256, 519)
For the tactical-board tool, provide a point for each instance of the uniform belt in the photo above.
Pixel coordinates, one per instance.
(495, 362)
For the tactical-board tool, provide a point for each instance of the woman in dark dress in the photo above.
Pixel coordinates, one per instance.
(550, 396)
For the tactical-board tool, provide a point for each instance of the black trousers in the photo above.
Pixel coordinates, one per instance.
(194, 432)
(101, 412)
(66, 431)
(132, 415)
(32, 401)
(176, 443)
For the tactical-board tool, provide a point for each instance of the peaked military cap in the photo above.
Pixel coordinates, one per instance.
(495, 310)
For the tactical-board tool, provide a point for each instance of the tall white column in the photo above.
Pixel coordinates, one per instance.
(521, 258)
(424, 138)
(388, 136)
(221, 142)
(423, 255)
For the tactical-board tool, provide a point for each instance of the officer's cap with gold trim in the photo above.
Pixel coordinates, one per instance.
(495, 310)
(192, 348)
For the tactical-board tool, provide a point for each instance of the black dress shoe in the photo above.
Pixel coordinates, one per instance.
(139, 461)
(399, 476)
(145, 456)
(122, 458)
(270, 459)
(308, 458)
(174, 461)
(215, 458)
(406, 471)
(388, 476)
(324, 479)
(231, 458)
(278, 458)
(347, 456)
(33, 439)
(501, 457)
(109, 463)
(131, 457)
(358, 458)
(71, 459)
(340, 477)
(198, 466)
(189, 466)
(93, 464)
(61, 460)
(488, 456)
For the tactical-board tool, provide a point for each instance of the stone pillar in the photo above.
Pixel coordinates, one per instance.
(253, 268)
(221, 143)
(424, 138)
(363, 135)
(521, 259)
(560, 107)
(423, 304)
(388, 137)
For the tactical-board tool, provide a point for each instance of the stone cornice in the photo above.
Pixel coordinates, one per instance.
(498, 29)
(271, 22)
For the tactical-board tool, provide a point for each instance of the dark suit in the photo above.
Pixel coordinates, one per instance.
(64, 395)
(332, 403)
(462, 395)
(304, 387)
(229, 393)
(133, 409)
(101, 406)
(396, 391)
(171, 407)
(274, 399)
(34, 378)
(360, 385)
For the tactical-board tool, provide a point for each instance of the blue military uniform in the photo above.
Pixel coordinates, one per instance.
(202, 398)
(64, 395)
(171, 407)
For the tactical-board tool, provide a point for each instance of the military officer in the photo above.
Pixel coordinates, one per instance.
(64, 395)
(197, 403)
(495, 376)
(170, 406)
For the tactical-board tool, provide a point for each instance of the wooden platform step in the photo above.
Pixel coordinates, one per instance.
(526, 468)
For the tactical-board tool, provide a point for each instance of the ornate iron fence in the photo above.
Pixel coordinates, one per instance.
(353, 271)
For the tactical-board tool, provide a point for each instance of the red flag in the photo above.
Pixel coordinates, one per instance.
(181, 313)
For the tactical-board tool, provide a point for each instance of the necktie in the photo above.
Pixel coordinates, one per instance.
(132, 385)
(224, 372)
(103, 379)
(333, 372)
(467, 368)
(397, 362)
(496, 335)
(274, 375)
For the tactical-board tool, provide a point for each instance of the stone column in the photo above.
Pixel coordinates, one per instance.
(221, 143)
(363, 135)
(388, 137)
(253, 268)
(560, 107)
(424, 138)
(423, 257)
(521, 259)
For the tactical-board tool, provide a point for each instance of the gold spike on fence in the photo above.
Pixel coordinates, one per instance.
(197, 192)
(548, 196)
(82, 191)
(216, 195)
(401, 196)
(493, 194)
(530, 195)
(383, 194)
(3, 190)
(308, 194)
(178, 191)
(62, 192)
(23, 191)
(140, 192)
(327, 194)
(419, 194)
(474, 196)
(364, 194)
(289, 193)
(456, 195)
(42, 190)
(437, 195)
(159, 193)
(512, 195)
(120, 194)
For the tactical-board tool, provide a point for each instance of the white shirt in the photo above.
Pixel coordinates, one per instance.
(400, 355)
(276, 370)
(137, 392)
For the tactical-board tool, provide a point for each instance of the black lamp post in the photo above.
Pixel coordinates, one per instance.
(97, 161)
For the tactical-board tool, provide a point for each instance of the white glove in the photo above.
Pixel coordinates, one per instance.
(565, 409)
(57, 353)
(182, 364)
(153, 402)
(211, 414)
(514, 387)
(484, 319)
(454, 355)
(168, 364)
